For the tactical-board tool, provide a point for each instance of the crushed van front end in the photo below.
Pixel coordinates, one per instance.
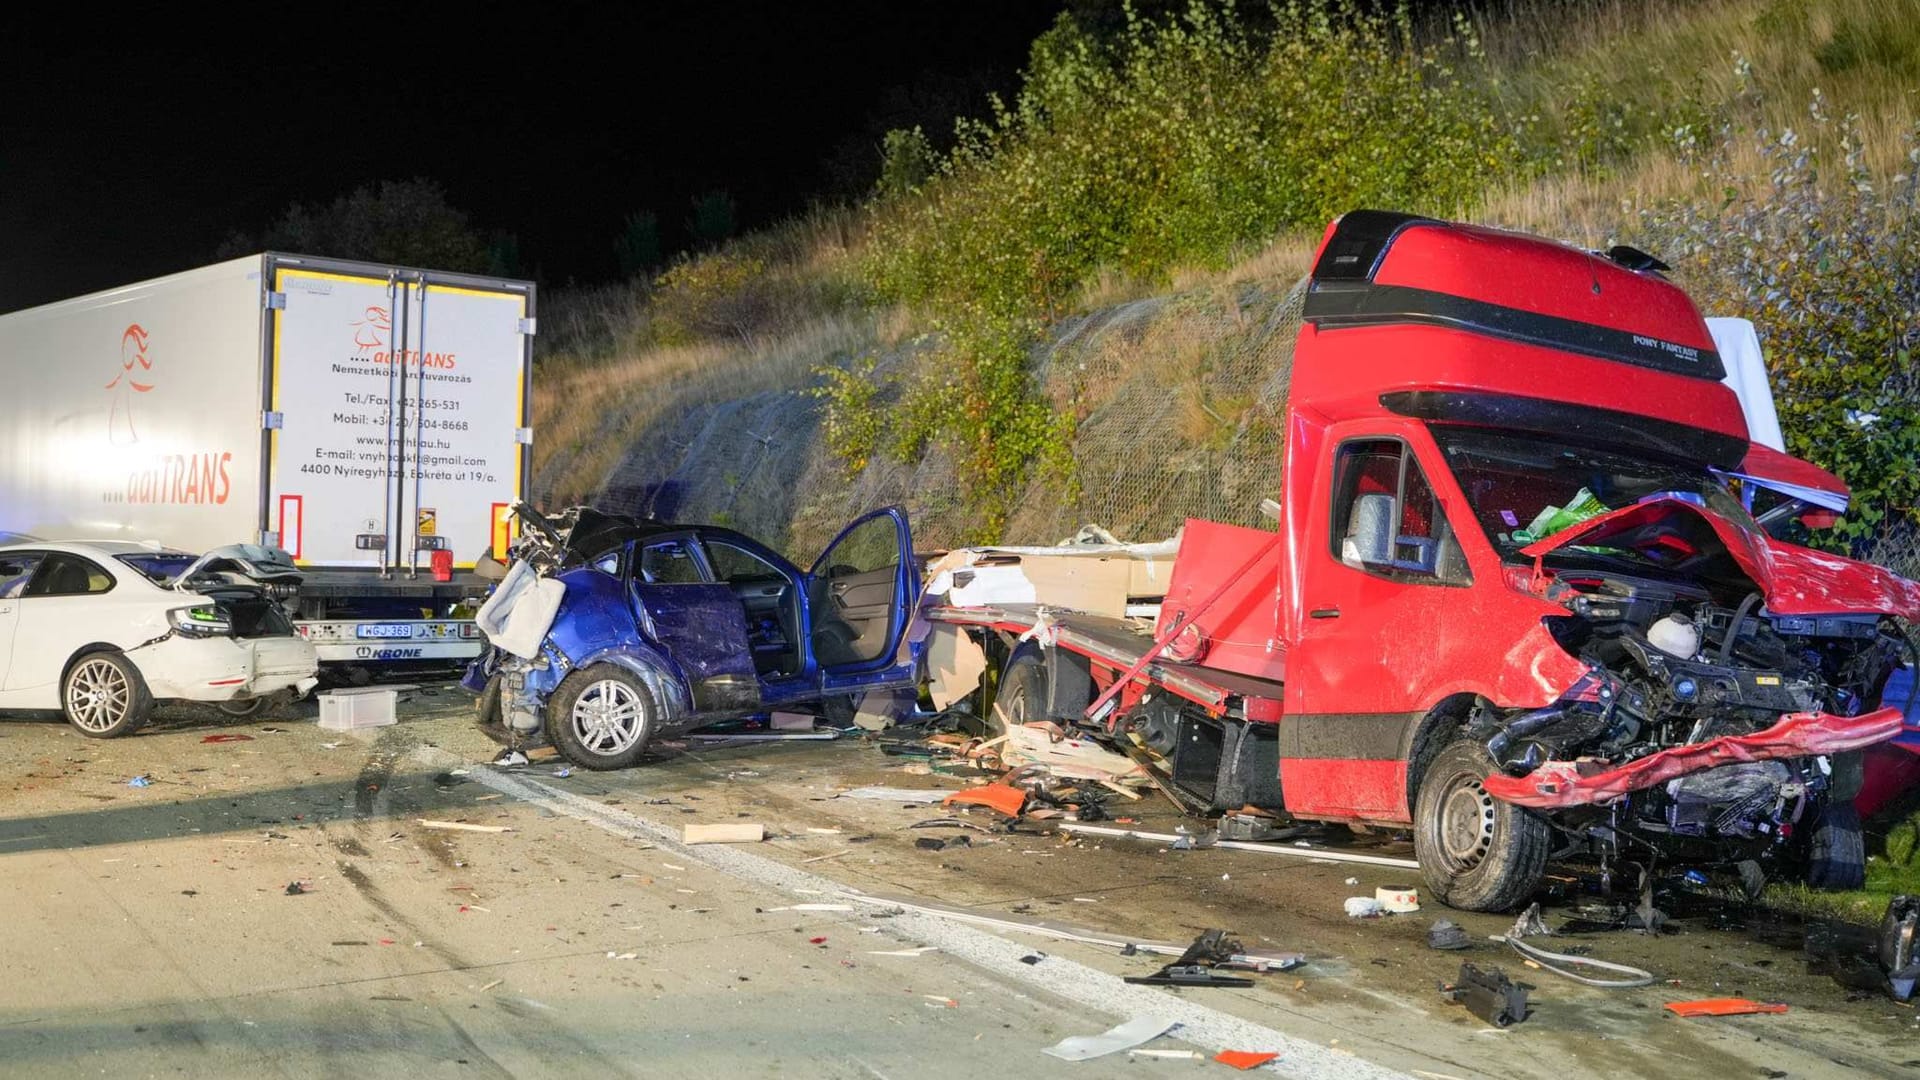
(1732, 682)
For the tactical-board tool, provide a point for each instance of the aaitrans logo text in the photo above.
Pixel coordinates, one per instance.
(190, 479)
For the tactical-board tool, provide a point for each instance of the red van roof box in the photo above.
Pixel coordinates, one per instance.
(1382, 268)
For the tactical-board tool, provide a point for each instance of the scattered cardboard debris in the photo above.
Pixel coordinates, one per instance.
(460, 826)
(955, 663)
(725, 833)
(1045, 743)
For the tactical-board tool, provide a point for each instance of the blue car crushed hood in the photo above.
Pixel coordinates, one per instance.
(609, 632)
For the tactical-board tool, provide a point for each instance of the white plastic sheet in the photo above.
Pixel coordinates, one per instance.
(1140, 1029)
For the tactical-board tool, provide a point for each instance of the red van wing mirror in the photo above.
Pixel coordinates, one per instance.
(1817, 519)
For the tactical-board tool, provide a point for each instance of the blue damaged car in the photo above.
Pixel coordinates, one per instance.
(607, 632)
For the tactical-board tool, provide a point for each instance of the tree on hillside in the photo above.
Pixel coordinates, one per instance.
(929, 105)
(503, 254)
(638, 245)
(713, 218)
(408, 222)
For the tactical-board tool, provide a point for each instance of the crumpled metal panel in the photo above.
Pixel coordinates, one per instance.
(1571, 783)
(1795, 580)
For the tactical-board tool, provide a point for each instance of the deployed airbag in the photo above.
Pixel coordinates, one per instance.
(518, 615)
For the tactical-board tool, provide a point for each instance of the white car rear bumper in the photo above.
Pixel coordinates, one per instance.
(222, 669)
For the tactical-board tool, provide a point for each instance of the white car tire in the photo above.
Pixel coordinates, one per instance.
(104, 697)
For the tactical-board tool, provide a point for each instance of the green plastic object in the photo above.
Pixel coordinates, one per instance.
(1555, 519)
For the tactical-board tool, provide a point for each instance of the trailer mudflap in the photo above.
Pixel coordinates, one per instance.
(1559, 784)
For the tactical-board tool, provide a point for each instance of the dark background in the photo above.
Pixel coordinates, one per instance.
(134, 143)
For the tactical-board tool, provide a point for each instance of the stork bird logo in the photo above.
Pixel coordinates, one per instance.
(371, 332)
(134, 363)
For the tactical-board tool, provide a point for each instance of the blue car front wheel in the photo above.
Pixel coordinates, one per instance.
(601, 717)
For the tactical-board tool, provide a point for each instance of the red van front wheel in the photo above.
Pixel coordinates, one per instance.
(1476, 852)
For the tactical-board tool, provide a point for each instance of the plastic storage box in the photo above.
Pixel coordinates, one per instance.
(347, 710)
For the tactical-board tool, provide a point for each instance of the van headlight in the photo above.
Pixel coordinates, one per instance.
(202, 621)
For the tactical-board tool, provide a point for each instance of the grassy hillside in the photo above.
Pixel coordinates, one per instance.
(1085, 311)
(1762, 147)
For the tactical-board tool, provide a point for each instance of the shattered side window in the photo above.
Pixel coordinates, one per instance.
(1386, 518)
(731, 564)
(873, 546)
(669, 562)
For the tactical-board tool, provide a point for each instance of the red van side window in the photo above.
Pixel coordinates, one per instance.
(1386, 520)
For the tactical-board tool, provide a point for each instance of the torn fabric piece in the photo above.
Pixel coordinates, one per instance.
(1576, 783)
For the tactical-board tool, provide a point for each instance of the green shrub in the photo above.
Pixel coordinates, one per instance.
(1168, 146)
(851, 419)
(1900, 843)
(906, 161)
(1825, 259)
(722, 295)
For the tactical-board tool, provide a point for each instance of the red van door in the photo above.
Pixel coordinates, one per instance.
(1386, 597)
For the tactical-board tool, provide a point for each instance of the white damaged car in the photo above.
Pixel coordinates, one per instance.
(103, 630)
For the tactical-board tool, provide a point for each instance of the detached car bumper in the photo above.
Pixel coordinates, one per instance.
(1559, 784)
(223, 669)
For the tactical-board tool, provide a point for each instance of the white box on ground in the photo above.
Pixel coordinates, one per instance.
(365, 709)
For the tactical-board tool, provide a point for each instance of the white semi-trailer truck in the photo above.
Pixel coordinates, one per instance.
(370, 420)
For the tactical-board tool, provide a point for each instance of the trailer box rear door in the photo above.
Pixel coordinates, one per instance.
(400, 400)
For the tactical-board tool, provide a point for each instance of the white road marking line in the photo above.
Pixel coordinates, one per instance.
(1200, 1024)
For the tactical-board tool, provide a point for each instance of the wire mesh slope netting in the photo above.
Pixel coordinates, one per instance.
(1177, 405)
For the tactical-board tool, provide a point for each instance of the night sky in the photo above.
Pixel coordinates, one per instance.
(132, 145)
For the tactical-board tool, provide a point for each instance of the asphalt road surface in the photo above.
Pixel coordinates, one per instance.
(276, 906)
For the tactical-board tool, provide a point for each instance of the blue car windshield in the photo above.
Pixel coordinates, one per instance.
(159, 568)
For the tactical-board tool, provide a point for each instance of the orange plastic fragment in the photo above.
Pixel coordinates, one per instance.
(1244, 1059)
(1005, 798)
(1722, 1007)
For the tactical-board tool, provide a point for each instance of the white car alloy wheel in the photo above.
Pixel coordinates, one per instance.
(99, 695)
(608, 717)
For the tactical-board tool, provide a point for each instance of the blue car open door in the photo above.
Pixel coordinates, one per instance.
(860, 597)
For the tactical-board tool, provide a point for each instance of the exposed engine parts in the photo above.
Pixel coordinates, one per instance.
(1673, 665)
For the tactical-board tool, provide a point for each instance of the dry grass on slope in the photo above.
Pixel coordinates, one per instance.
(588, 412)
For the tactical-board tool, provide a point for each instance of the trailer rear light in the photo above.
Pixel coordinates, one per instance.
(442, 565)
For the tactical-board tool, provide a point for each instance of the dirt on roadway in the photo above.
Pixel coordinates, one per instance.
(274, 906)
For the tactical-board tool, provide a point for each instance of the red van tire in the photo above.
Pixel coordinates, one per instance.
(1476, 852)
(1021, 697)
